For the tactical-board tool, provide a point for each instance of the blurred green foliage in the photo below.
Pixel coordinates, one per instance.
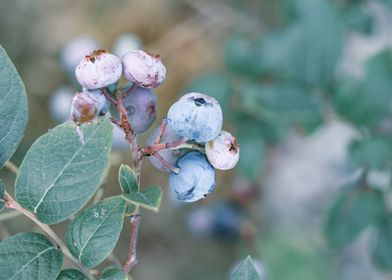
(286, 77)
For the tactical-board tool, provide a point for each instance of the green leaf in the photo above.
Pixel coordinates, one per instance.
(29, 255)
(381, 250)
(113, 273)
(241, 55)
(127, 179)
(92, 236)
(149, 198)
(365, 102)
(246, 271)
(299, 51)
(2, 189)
(13, 108)
(251, 159)
(71, 274)
(281, 104)
(371, 153)
(59, 174)
(356, 208)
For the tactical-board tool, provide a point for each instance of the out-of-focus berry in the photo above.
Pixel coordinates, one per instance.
(200, 221)
(119, 141)
(125, 43)
(170, 155)
(75, 50)
(60, 103)
(141, 107)
(223, 152)
(143, 69)
(88, 105)
(228, 218)
(196, 178)
(196, 116)
(98, 70)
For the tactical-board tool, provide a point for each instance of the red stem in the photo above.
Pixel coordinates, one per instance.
(131, 261)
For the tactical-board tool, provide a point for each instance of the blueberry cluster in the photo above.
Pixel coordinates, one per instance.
(190, 143)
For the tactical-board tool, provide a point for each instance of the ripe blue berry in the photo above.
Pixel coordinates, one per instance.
(196, 116)
(228, 218)
(170, 155)
(141, 107)
(143, 69)
(223, 152)
(196, 178)
(98, 70)
(88, 105)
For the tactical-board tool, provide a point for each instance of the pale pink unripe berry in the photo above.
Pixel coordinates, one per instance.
(143, 69)
(88, 105)
(223, 152)
(98, 70)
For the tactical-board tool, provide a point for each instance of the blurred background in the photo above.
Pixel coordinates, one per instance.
(305, 85)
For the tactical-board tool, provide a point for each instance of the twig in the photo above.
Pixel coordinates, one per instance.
(128, 91)
(166, 163)
(12, 204)
(109, 96)
(134, 221)
(12, 167)
(136, 165)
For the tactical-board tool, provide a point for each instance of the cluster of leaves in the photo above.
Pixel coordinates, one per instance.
(57, 178)
(286, 77)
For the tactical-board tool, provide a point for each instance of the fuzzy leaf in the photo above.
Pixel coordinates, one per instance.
(113, 273)
(29, 255)
(1, 194)
(127, 179)
(92, 236)
(13, 108)
(246, 271)
(59, 174)
(149, 198)
(354, 209)
(71, 274)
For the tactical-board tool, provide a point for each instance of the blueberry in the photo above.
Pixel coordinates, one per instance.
(223, 152)
(196, 178)
(75, 50)
(228, 217)
(196, 116)
(144, 69)
(98, 70)
(141, 107)
(60, 103)
(170, 155)
(200, 221)
(125, 43)
(88, 105)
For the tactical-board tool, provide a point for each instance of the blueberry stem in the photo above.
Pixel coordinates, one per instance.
(109, 96)
(161, 131)
(131, 261)
(13, 204)
(166, 163)
(128, 91)
(134, 219)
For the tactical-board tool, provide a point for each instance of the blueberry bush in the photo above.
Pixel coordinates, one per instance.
(63, 169)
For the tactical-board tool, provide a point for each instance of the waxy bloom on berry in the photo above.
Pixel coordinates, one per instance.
(98, 70)
(143, 69)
